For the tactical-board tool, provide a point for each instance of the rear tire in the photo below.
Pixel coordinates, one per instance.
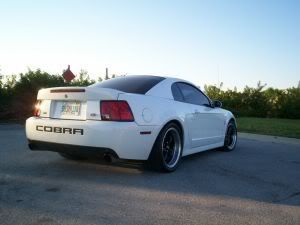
(230, 137)
(167, 150)
(71, 156)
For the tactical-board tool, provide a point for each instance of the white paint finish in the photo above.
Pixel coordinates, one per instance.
(203, 148)
(203, 127)
(147, 115)
(93, 110)
(163, 89)
(124, 138)
(45, 108)
(206, 125)
(90, 93)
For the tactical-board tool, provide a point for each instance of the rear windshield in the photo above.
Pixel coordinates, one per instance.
(131, 84)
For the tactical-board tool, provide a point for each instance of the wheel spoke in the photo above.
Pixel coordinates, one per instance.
(171, 147)
(171, 139)
(230, 138)
(165, 153)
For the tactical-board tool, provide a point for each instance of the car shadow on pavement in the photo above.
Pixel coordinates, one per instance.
(210, 173)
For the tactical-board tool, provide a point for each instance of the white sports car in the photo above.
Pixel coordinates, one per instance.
(149, 118)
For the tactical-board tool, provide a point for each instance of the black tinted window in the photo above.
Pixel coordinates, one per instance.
(131, 84)
(177, 95)
(193, 95)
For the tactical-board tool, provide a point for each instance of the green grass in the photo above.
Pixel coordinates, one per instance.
(276, 127)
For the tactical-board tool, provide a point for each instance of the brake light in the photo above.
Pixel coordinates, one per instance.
(37, 109)
(115, 111)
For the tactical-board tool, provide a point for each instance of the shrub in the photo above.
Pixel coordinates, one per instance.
(17, 96)
(256, 102)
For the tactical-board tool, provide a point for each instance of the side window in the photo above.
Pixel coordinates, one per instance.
(177, 93)
(193, 95)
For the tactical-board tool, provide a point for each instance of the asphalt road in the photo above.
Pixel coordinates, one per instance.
(258, 183)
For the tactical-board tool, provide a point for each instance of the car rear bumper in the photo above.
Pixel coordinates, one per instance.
(126, 140)
(70, 149)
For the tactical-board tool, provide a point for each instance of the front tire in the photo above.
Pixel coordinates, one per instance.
(230, 137)
(167, 150)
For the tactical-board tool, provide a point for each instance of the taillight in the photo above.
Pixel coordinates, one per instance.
(37, 109)
(115, 111)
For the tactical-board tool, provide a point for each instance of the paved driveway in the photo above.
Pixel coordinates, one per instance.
(258, 183)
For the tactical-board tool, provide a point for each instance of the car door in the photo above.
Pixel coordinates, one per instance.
(205, 123)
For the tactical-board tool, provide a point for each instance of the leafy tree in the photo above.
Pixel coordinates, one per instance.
(18, 95)
(257, 102)
(83, 80)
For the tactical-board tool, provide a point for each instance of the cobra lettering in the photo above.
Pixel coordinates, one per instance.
(59, 130)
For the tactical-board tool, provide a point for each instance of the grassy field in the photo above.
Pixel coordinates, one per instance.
(276, 127)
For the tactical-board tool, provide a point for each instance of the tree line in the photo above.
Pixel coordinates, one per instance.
(18, 95)
(259, 101)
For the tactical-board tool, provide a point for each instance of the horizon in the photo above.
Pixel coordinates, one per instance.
(237, 43)
(5, 78)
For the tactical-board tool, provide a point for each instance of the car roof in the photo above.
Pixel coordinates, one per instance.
(160, 89)
(163, 88)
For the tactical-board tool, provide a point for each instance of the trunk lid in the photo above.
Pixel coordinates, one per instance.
(74, 103)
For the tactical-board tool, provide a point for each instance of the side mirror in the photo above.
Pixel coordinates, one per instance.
(217, 104)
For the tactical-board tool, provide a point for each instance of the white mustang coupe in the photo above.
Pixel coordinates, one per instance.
(149, 118)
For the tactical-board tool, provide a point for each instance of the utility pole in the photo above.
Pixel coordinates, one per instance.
(106, 74)
(0, 75)
(218, 85)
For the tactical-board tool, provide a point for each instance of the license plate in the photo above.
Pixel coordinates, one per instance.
(70, 108)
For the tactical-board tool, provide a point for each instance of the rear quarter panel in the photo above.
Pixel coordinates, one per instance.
(157, 111)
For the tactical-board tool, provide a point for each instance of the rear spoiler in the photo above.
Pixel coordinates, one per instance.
(66, 90)
(78, 93)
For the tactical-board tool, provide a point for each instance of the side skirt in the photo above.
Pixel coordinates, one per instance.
(202, 148)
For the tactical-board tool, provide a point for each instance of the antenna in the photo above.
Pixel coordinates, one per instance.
(218, 75)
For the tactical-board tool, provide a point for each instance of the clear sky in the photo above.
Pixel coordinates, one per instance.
(236, 42)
